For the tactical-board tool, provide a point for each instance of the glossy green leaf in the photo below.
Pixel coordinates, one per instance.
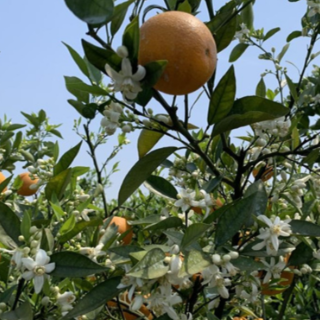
(176, 238)
(26, 225)
(161, 187)
(66, 159)
(99, 57)
(231, 221)
(131, 38)
(119, 14)
(141, 171)
(302, 254)
(78, 105)
(168, 223)
(17, 141)
(78, 60)
(225, 34)
(237, 51)
(249, 110)
(68, 225)
(151, 266)
(193, 233)
(212, 184)
(194, 262)
(270, 33)
(247, 16)
(185, 6)
(94, 74)
(58, 184)
(294, 35)
(305, 228)
(97, 297)
(10, 223)
(144, 96)
(261, 88)
(5, 183)
(7, 294)
(73, 265)
(5, 266)
(95, 12)
(222, 98)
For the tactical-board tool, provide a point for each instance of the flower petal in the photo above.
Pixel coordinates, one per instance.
(41, 258)
(50, 267)
(140, 74)
(126, 68)
(28, 263)
(38, 282)
(28, 275)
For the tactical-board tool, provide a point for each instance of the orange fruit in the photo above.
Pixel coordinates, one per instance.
(2, 178)
(266, 175)
(25, 190)
(188, 46)
(124, 301)
(123, 226)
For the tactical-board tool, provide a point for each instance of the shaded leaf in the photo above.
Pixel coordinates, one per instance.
(302, 254)
(78, 60)
(95, 12)
(261, 88)
(151, 266)
(130, 39)
(23, 312)
(193, 233)
(247, 16)
(154, 71)
(247, 264)
(225, 34)
(270, 33)
(283, 52)
(305, 228)
(141, 171)
(249, 110)
(74, 265)
(194, 262)
(161, 186)
(147, 140)
(168, 223)
(293, 35)
(119, 14)
(76, 85)
(58, 184)
(292, 88)
(98, 296)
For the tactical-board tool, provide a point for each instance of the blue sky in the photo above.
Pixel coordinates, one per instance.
(33, 61)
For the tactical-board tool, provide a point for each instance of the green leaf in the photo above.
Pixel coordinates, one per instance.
(247, 264)
(231, 221)
(26, 225)
(94, 74)
(283, 52)
(141, 171)
(144, 96)
(130, 39)
(99, 57)
(13, 127)
(249, 110)
(185, 7)
(119, 14)
(294, 35)
(161, 187)
(147, 140)
(68, 225)
(78, 105)
(194, 262)
(193, 233)
(17, 141)
(168, 223)
(305, 228)
(237, 51)
(74, 265)
(95, 12)
(222, 98)
(58, 184)
(247, 16)
(225, 34)
(7, 294)
(5, 266)
(10, 223)
(66, 160)
(270, 33)
(75, 86)
(212, 184)
(151, 266)
(302, 254)
(79, 226)
(5, 183)
(97, 297)
(78, 60)
(292, 88)
(261, 88)
(154, 71)
(23, 312)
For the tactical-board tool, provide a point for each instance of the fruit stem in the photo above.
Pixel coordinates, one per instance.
(210, 9)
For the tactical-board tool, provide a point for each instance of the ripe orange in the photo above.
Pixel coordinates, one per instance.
(2, 178)
(123, 226)
(188, 46)
(124, 301)
(25, 190)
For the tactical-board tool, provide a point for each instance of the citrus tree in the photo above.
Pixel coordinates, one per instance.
(222, 229)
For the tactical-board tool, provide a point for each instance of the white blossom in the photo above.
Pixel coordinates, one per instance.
(93, 252)
(243, 33)
(273, 270)
(37, 269)
(186, 200)
(65, 300)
